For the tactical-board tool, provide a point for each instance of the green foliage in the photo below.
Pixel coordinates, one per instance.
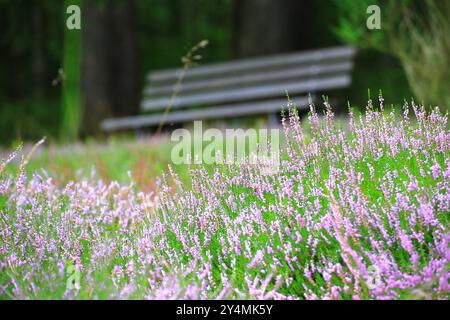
(28, 120)
(416, 32)
(30, 55)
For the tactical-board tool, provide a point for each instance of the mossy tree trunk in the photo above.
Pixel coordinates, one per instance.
(71, 100)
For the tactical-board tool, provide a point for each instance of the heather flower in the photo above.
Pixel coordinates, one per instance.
(360, 213)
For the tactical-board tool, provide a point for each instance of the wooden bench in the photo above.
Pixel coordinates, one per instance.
(239, 88)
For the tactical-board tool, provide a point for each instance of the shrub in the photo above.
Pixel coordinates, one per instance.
(357, 214)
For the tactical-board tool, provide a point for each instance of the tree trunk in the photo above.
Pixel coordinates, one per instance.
(124, 70)
(262, 27)
(38, 55)
(110, 71)
(95, 85)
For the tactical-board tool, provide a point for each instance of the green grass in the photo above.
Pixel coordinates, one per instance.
(145, 160)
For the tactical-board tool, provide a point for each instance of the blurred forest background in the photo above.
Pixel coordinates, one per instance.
(60, 83)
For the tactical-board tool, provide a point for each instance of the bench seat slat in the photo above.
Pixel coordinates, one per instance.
(277, 75)
(222, 111)
(242, 94)
(306, 57)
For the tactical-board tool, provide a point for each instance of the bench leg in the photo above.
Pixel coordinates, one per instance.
(139, 133)
(274, 120)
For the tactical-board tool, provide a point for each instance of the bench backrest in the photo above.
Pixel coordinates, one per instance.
(251, 79)
(239, 88)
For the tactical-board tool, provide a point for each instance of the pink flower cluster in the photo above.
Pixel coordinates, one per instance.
(355, 212)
